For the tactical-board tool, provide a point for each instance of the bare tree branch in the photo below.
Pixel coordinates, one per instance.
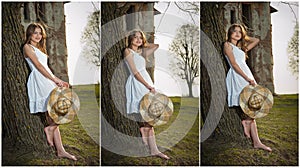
(193, 10)
(163, 15)
(290, 4)
(185, 47)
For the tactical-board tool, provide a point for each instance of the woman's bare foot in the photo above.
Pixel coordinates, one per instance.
(246, 125)
(262, 146)
(161, 155)
(66, 155)
(49, 134)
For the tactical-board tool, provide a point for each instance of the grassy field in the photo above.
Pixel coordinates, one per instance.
(185, 152)
(279, 130)
(81, 136)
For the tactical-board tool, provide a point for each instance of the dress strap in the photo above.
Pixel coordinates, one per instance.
(134, 52)
(235, 46)
(34, 48)
(232, 44)
(131, 50)
(32, 45)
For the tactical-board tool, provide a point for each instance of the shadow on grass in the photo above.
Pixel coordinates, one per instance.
(184, 153)
(80, 138)
(279, 130)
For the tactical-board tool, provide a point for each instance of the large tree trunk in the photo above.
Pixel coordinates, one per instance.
(220, 122)
(22, 132)
(119, 134)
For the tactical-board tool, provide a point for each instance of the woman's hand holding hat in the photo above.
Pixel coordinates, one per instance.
(156, 108)
(152, 90)
(251, 81)
(256, 101)
(63, 105)
(61, 83)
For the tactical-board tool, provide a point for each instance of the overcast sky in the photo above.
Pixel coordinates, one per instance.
(283, 23)
(80, 71)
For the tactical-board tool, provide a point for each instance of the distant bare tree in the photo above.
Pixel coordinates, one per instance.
(185, 47)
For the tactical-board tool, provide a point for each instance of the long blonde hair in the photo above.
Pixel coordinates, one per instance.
(30, 30)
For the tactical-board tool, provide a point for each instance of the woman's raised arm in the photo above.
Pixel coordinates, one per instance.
(150, 48)
(252, 42)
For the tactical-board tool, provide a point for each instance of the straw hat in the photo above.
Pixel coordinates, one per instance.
(156, 108)
(256, 101)
(63, 105)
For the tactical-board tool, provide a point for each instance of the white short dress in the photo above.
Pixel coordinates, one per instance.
(38, 86)
(135, 90)
(235, 83)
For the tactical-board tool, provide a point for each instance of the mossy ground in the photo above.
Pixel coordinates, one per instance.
(78, 137)
(185, 152)
(279, 130)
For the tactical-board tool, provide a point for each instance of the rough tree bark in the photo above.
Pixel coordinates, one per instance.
(22, 132)
(119, 134)
(229, 126)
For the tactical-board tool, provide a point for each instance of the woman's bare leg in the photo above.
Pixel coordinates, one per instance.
(153, 147)
(49, 130)
(246, 124)
(59, 146)
(256, 141)
(145, 134)
(54, 138)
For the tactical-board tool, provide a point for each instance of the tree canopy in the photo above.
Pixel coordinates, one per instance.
(90, 38)
(293, 51)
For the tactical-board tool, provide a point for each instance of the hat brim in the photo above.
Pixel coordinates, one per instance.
(266, 106)
(75, 106)
(166, 114)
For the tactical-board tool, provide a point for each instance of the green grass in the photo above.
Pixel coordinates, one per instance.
(184, 152)
(81, 136)
(279, 130)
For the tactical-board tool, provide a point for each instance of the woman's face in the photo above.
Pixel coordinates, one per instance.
(137, 40)
(36, 36)
(236, 34)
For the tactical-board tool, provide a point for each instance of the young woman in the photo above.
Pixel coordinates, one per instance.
(239, 75)
(41, 82)
(139, 83)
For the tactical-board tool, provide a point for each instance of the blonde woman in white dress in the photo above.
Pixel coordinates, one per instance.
(41, 82)
(139, 83)
(239, 75)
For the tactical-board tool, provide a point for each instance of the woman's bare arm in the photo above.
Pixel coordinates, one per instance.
(150, 49)
(29, 53)
(252, 43)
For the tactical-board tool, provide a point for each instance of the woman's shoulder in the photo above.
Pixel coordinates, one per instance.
(27, 48)
(227, 45)
(127, 51)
